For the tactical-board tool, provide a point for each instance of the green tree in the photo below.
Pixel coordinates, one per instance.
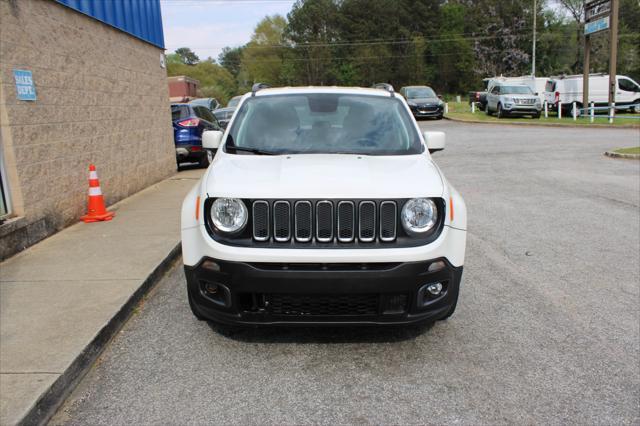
(313, 26)
(187, 56)
(230, 59)
(575, 8)
(263, 57)
(215, 81)
(451, 53)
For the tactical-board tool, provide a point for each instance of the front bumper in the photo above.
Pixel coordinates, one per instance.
(515, 109)
(329, 294)
(427, 111)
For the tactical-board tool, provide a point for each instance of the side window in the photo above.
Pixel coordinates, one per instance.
(627, 85)
(550, 86)
(496, 90)
(200, 112)
(179, 112)
(207, 115)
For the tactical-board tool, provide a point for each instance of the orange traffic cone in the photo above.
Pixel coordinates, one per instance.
(96, 209)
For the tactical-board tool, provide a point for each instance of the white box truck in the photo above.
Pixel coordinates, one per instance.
(568, 89)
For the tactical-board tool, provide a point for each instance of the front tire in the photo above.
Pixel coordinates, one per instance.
(636, 107)
(500, 113)
(537, 115)
(194, 310)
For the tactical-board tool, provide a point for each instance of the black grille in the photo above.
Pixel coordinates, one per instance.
(303, 221)
(346, 221)
(322, 304)
(335, 222)
(367, 221)
(261, 220)
(324, 221)
(281, 220)
(388, 221)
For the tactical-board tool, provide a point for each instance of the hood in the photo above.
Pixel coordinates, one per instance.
(323, 176)
(424, 100)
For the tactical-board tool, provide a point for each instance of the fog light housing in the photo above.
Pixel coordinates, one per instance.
(431, 293)
(211, 288)
(216, 292)
(435, 289)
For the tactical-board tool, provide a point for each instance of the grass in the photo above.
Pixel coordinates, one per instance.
(462, 111)
(634, 150)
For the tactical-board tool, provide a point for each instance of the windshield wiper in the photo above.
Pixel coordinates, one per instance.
(251, 150)
(256, 151)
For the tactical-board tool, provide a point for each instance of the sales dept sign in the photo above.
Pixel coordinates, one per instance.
(25, 89)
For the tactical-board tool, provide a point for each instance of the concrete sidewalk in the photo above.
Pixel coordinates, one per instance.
(62, 299)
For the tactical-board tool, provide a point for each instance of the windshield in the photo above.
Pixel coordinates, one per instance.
(515, 90)
(420, 92)
(325, 123)
(233, 102)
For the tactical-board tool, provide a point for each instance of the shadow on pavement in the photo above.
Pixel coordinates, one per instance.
(314, 335)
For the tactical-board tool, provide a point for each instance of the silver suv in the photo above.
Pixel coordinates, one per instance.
(513, 99)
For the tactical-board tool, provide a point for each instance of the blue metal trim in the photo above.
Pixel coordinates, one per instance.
(139, 18)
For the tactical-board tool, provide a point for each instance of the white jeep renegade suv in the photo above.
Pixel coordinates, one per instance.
(323, 205)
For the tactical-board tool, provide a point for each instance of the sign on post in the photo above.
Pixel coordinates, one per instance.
(25, 89)
(599, 16)
(596, 8)
(596, 26)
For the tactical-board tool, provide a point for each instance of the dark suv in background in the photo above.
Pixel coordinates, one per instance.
(423, 101)
(189, 121)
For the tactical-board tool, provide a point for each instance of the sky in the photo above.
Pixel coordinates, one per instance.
(206, 26)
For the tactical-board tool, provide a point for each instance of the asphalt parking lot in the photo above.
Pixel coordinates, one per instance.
(547, 328)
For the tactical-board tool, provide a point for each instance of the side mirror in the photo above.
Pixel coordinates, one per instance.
(537, 94)
(211, 139)
(439, 97)
(434, 140)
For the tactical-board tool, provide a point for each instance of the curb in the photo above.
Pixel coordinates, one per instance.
(49, 402)
(614, 154)
(566, 126)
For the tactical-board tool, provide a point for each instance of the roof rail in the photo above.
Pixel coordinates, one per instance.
(258, 86)
(384, 86)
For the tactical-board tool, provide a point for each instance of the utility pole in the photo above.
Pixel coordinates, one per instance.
(585, 71)
(613, 52)
(533, 61)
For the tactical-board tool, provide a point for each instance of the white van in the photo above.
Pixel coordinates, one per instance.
(568, 89)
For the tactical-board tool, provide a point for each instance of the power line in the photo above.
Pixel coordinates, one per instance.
(396, 42)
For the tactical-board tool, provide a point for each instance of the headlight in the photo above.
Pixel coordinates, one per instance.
(229, 214)
(419, 215)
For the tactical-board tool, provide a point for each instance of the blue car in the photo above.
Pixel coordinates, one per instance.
(189, 121)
